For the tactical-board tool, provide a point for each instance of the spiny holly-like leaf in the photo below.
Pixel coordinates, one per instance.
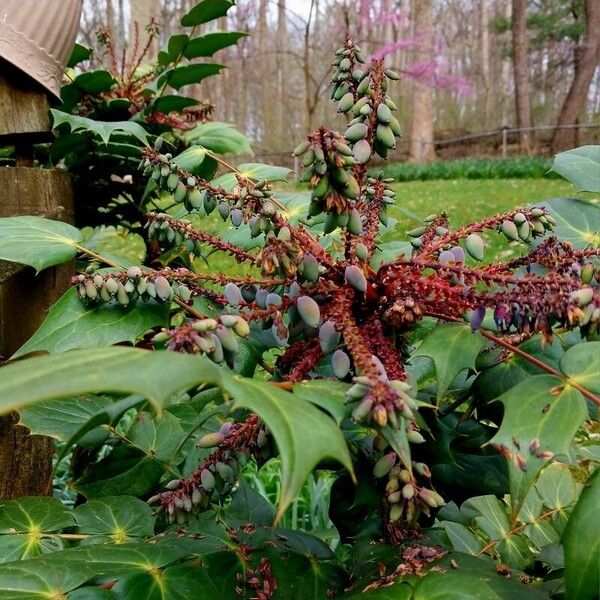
(319, 439)
(205, 11)
(208, 44)
(27, 525)
(304, 435)
(581, 167)
(155, 375)
(103, 129)
(118, 518)
(582, 544)
(37, 242)
(71, 324)
(576, 221)
(453, 348)
(541, 415)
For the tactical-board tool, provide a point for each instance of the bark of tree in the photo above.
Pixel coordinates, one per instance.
(484, 34)
(587, 58)
(421, 127)
(521, 72)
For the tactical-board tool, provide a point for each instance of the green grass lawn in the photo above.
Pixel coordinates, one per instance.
(465, 200)
(468, 200)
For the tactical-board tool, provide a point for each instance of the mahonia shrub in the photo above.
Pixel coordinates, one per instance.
(458, 394)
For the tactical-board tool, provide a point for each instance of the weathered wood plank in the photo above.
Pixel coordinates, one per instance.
(26, 461)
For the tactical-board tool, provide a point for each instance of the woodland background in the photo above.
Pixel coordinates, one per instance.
(467, 66)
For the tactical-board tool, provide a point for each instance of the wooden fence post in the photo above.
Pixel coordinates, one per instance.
(26, 461)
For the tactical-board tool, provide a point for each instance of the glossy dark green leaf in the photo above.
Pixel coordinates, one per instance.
(304, 435)
(208, 44)
(248, 506)
(453, 348)
(179, 77)
(94, 82)
(582, 544)
(79, 54)
(167, 104)
(103, 129)
(155, 375)
(71, 324)
(125, 470)
(580, 166)
(205, 11)
(37, 242)
(119, 518)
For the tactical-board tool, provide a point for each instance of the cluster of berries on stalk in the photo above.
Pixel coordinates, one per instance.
(333, 311)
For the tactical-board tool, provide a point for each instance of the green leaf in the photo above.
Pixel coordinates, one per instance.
(581, 364)
(79, 54)
(535, 410)
(158, 437)
(580, 166)
(218, 137)
(26, 526)
(167, 104)
(116, 243)
(94, 82)
(154, 375)
(126, 470)
(191, 159)
(205, 11)
(582, 544)
(60, 419)
(461, 538)
(256, 171)
(576, 221)
(103, 129)
(179, 77)
(326, 394)
(389, 251)
(453, 348)
(71, 324)
(212, 42)
(120, 518)
(248, 506)
(556, 487)
(37, 242)
(303, 434)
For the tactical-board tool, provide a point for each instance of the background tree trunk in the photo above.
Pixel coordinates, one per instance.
(587, 58)
(142, 12)
(421, 125)
(521, 72)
